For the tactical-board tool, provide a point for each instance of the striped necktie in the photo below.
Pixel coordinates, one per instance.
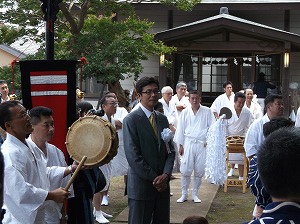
(153, 124)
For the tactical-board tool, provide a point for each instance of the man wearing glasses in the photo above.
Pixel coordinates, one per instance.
(26, 182)
(150, 162)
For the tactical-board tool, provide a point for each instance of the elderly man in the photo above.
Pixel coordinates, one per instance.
(224, 100)
(191, 132)
(4, 91)
(25, 170)
(254, 107)
(180, 100)
(171, 112)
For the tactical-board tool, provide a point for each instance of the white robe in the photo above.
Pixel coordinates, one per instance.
(56, 165)
(183, 101)
(238, 126)
(254, 136)
(26, 184)
(191, 133)
(119, 164)
(222, 101)
(255, 109)
(297, 122)
(170, 111)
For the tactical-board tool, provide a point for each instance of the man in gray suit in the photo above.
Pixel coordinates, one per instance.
(150, 160)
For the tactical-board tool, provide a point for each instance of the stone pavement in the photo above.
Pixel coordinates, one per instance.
(179, 211)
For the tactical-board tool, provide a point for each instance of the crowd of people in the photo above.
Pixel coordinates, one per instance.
(159, 136)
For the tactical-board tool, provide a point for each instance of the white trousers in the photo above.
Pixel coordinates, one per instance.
(194, 158)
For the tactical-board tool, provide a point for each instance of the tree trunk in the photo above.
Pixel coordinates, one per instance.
(116, 88)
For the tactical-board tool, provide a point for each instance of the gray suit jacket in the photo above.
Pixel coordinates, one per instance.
(147, 156)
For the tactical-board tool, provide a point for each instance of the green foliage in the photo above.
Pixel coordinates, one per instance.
(6, 74)
(186, 5)
(114, 48)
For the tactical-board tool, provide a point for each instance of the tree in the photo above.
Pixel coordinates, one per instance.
(114, 48)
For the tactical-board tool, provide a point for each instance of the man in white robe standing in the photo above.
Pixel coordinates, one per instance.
(179, 99)
(43, 132)
(254, 136)
(253, 106)
(238, 124)
(191, 132)
(171, 113)
(224, 100)
(26, 185)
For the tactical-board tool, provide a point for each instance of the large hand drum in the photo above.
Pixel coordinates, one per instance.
(93, 137)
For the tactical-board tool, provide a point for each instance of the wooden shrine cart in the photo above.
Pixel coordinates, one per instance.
(235, 144)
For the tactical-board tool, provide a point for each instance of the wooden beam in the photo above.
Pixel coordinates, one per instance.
(230, 46)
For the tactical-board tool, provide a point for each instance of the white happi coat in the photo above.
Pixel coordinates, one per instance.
(238, 126)
(170, 111)
(56, 165)
(222, 101)
(26, 184)
(119, 164)
(255, 109)
(255, 136)
(191, 133)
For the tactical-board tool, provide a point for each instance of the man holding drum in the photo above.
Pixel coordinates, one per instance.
(26, 182)
(150, 160)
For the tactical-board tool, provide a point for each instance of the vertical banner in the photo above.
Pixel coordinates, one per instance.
(51, 84)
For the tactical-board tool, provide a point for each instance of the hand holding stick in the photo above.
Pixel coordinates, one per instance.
(76, 172)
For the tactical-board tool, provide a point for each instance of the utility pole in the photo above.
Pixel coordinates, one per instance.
(50, 9)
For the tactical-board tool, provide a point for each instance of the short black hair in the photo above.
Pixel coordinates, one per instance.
(195, 220)
(36, 114)
(227, 83)
(195, 92)
(144, 81)
(274, 124)
(239, 95)
(3, 82)
(110, 94)
(278, 163)
(158, 106)
(84, 107)
(5, 113)
(271, 98)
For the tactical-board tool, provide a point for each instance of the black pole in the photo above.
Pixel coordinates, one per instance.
(49, 33)
(50, 9)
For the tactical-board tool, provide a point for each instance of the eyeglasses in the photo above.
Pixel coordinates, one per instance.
(150, 91)
(114, 104)
(170, 94)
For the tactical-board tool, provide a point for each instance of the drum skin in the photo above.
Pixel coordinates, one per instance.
(94, 137)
